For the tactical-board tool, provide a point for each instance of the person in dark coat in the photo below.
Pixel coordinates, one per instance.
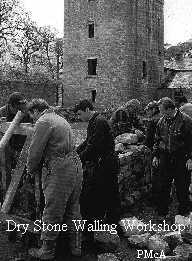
(125, 118)
(180, 101)
(173, 155)
(153, 113)
(100, 193)
(16, 102)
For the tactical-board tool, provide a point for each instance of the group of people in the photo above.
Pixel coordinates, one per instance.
(82, 182)
(77, 182)
(167, 131)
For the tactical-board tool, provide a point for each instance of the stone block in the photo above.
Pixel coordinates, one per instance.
(107, 257)
(173, 239)
(132, 226)
(184, 250)
(157, 244)
(110, 242)
(139, 240)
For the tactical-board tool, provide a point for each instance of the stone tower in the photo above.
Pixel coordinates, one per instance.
(114, 47)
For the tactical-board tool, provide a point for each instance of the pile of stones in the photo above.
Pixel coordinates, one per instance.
(135, 174)
(173, 244)
(165, 242)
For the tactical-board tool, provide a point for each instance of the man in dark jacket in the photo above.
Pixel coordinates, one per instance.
(125, 119)
(153, 114)
(152, 111)
(173, 153)
(100, 192)
(16, 102)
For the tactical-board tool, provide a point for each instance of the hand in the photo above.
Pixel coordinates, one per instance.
(3, 119)
(155, 162)
(138, 132)
(189, 164)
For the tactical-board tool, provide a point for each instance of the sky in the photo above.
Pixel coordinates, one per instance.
(177, 18)
(178, 21)
(47, 12)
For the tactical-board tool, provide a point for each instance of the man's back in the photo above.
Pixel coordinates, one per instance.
(52, 138)
(60, 141)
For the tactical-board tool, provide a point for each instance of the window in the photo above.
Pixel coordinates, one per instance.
(92, 65)
(91, 30)
(93, 95)
(144, 70)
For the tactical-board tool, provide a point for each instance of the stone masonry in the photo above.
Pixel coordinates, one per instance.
(127, 43)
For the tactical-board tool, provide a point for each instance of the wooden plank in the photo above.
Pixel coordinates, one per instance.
(16, 177)
(19, 220)
(3, 172)
(22, 128)
(7, 135)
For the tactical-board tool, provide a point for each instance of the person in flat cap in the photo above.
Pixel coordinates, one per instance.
(125, 118)
(173, 156)
(152, 117)
(153, 114)
(180, 101)
(16, 101)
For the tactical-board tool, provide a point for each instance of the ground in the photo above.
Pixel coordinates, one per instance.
(10, 251)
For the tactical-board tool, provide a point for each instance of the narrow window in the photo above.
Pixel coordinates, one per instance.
(92, 66)
(144, 70)
(93, 95)
(91, 30)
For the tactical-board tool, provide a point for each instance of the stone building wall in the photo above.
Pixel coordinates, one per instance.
(128, 35)
(46, 91)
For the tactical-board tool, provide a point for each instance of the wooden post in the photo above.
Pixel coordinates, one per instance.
(3, 173)
(16, 177)
(10, 130)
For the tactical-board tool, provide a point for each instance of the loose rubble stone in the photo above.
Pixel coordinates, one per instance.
(132, 226)
(184, 223)
(125, 158)
(119, 147)
(183, 250)
(157, 244)
(187, 237)
(107, 257)
(139, 240)
(171, 258)
(173, 239)
(110, 242)
(127, 138)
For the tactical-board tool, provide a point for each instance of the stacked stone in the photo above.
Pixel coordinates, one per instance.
(135, 174)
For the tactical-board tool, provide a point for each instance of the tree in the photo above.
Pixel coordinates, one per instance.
(27, 42)
(9, 20)
(59, 56)
(48, 39)
(51, 51)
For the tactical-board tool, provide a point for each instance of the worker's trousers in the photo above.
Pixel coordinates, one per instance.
(62, 182)
(173, 167)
